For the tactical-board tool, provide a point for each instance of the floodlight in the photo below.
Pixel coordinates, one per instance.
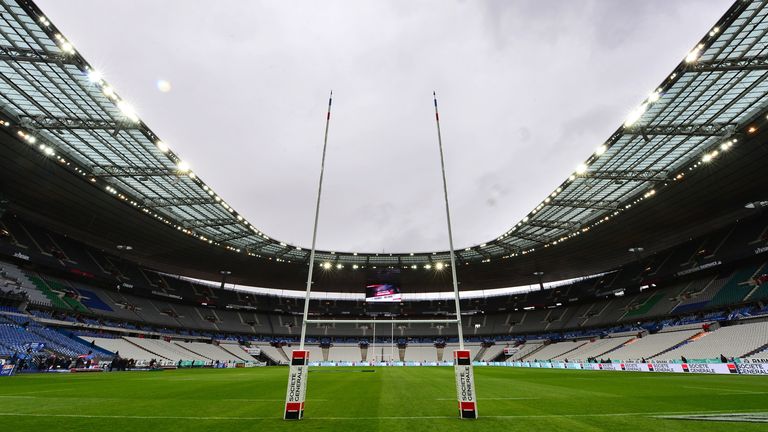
(94, 76)
(635, 115)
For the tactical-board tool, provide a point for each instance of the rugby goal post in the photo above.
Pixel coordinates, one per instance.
(462, 358)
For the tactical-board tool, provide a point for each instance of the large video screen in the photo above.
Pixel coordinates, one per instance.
(382, 292)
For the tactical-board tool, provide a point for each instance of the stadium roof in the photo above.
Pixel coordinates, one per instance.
(54, 100)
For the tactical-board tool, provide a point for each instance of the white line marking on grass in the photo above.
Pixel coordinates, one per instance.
(253, 400)
(735, 417)
(122, 399)
(485, 399)
(732, 391)
(40, 391)
(272, 400)
(278, 418)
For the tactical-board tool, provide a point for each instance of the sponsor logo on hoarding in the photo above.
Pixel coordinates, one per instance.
(749, 368)
(632, 367)
(20, 255)
(699, 268)
(698, 368)
(660, 367)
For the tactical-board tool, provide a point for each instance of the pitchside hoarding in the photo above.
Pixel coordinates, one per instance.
(753, 367)
(748, 367)
(7, 370)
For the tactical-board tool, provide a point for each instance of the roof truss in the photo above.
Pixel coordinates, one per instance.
(64, 123)
(19, 54)
(553, 224)
(208, 223)
(586, 204)
(706, 130)
(176, 201)
(133, 171)
(632, 174)
(739, 64)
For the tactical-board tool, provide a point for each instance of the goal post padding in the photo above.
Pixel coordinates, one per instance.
(297, 385)
(465, 384)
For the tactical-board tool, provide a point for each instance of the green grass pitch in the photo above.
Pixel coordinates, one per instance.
(390, 399)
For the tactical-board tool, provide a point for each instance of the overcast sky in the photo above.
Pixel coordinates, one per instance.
(527, 90)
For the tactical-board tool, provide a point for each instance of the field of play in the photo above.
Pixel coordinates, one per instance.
(391, 399)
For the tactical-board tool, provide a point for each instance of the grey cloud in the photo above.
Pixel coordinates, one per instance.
(527, 90)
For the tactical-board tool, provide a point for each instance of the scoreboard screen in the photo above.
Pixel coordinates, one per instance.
(382, 292)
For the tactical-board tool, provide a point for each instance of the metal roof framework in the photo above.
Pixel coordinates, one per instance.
(53, 99)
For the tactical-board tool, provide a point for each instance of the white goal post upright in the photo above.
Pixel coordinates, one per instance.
(297, 377)
(462, 359)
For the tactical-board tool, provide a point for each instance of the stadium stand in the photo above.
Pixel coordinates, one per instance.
(734, 341)
(597, 323)
(422, 353)
(594, 349)
(346, 353)
(527, 349)
(492, 353)
(651, 345)
(13, 276)
(235, 350)
(552, 351)
(122, 347)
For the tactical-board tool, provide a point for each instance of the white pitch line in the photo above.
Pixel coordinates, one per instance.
(271, 400)
(40, 391)
(105, 398)
(253, 400)
(733, 391)
(277, 418)
(485, 399)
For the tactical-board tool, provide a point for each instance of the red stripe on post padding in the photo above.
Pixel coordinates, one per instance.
(294, 406)
(467, 406)
(461, 354)
(300, 354)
